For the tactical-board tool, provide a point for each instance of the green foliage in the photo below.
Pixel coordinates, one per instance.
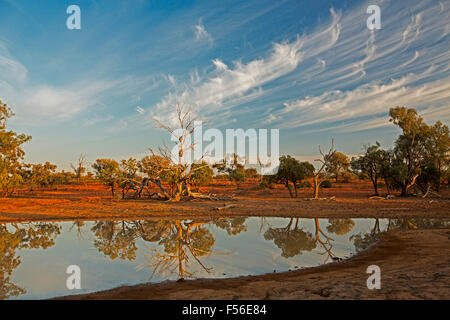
(416, 148)
(304, 184)
(234, 169)
(221, 176)
(107, 172)
(373, 163)
(267, 181)
(10, 142)
(292, 171)
(128, 175)
(437, 167)
(251, 173)
(348, 176)
(42, 175)
(429, 175)
(237, 174)
(9, 178)
(11, 152)
(326, 184)
(338, 164)
(202, 174)
(153, 166)
(64, 178)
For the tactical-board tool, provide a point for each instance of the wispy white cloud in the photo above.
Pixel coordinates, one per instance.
(12, 69)
(236, 82)
(404, 63)
(414, 58)
(232, 85)
(366, 100)
(201, 34)
(12, 72)
(37, 103)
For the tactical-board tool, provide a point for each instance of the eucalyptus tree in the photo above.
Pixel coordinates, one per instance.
(107, 171)
(417, 146)
(293, 171)
(11, 152)
(372, 163)
(338, 164)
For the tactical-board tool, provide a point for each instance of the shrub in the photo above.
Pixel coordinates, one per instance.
(251, 173)
(221, 176)
(267, 182)
(304, 184)
(347, 176)
(326, 184)
(237, 175)
(202, 174)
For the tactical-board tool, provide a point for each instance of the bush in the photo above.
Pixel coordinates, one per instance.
(221, 177)
(326, 184)
(266, 184)
(237, 175)
(304, 184)
(381, 184)
(202, 174)
(251, 173)
(347, 176)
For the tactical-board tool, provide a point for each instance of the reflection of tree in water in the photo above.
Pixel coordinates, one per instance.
(116, 239)
(340, 226)
(16, 237)
(363, 240)
(324, 240)
(291, 241)
(185, 241)
(232, 226)
(180, 241)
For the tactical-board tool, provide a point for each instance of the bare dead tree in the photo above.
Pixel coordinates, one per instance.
(80, 168)
(322, 173)
(185, 249)
(180, 169)
(326, 242)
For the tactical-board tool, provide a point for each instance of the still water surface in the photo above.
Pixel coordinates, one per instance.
(34, 256)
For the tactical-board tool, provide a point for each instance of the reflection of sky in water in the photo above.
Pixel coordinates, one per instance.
(42, 272)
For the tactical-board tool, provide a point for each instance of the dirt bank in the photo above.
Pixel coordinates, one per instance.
(414, 264)
(94, 202)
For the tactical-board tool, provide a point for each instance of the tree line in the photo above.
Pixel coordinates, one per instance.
(420, 157)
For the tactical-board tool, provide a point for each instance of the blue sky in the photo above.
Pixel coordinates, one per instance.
(310, 68)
